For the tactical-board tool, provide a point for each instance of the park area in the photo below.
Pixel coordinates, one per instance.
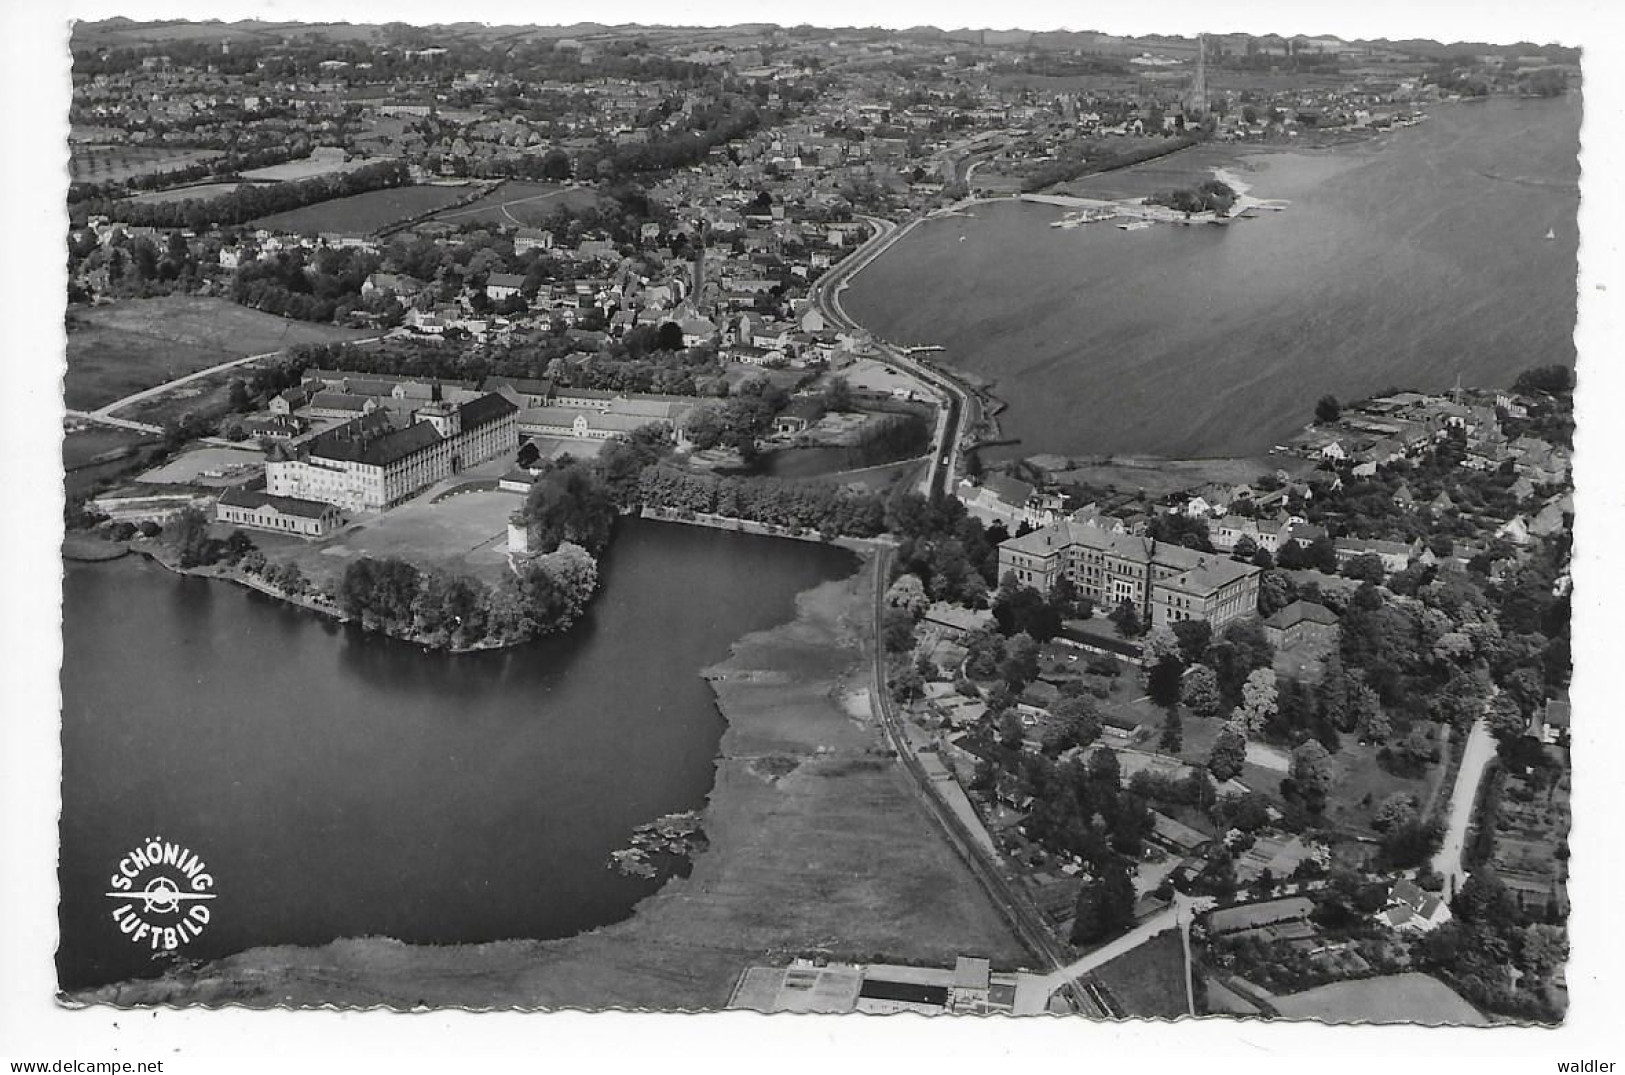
(361, 215)
(1398, 998)
(120, 349)
(520, 204)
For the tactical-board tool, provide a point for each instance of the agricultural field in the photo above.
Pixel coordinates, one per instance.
(520, 204)
(1397, 998)
(123, 348)
(115, 164)
(364, 214)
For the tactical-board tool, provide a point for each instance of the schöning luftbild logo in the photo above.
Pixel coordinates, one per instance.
(163, 891)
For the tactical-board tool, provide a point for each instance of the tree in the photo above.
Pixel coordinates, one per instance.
(1126, 618)
(1506, 720)
(907, 684)
(908, 594)
(1105, 905)
(188, 533)
(838, 395)
(1172, 739)
(984, 650)
(1396, 811)
(1200, 691)
(1312, 768)
(570, 502)
(1020, 665)
(1258, 698)
(1194, 637)
(897, 630)
(1367, 567)
(1228, 755)
(1079, 719)
(1327, 410)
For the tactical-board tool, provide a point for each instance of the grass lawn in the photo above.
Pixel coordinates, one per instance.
(1397, 998)
(124, 347)
(1149, 981)
(520, 203)
(465, 533)
(363, 214)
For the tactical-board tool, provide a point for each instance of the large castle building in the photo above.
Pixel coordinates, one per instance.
(379, 459)
(1165, 583)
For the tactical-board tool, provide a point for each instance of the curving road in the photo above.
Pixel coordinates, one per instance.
(957, 408)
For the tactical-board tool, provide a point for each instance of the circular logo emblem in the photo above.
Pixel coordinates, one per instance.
(163, 892)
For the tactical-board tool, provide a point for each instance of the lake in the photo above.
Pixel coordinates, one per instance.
(340, 784)
(1411, 259)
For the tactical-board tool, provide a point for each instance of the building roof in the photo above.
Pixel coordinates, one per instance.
(1209, 575)
(486, 408)
(1012, 491)
(1302, 612)
(339, 401)
(287, 505)
(504, 279)
(972, 972)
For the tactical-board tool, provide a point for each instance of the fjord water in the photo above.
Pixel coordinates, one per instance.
(1404, 261)
(343, 785)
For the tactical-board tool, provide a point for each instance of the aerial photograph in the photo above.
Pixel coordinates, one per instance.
(813, 519)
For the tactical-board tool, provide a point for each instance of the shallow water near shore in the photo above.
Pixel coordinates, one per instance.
(1408, 260)
(343, 785)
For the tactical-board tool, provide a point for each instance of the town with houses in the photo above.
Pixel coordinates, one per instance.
(1239, 741)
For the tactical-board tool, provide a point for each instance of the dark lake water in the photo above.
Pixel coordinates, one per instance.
(343, 785)
(1404, 261)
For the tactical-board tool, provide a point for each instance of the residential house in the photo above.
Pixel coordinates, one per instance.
(1301, 623)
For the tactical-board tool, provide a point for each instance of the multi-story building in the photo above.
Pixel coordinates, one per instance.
(1166, 583)
(376, 461)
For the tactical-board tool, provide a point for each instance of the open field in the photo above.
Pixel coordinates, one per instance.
(323, 163)
(119, 349)
(1149, 981)
(98, 444)
(1397, 998)
(363, 214)
(520, 204)
(207, 466)
(104, 164)
(460, 524)
(1160, 477)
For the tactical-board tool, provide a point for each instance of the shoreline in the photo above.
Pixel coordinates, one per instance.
(800, 766)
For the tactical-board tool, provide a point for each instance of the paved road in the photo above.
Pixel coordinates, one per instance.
(1474, 758)
(1179, 914)
(957, 407)
(119, 423)
(105, 414)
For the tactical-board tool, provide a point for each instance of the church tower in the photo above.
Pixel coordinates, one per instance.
(1196, 100)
